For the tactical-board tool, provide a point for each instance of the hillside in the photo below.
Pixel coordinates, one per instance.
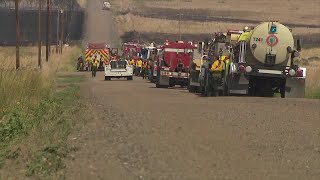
(146, 19)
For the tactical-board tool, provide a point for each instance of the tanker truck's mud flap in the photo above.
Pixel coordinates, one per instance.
(237, 84)
(295, 87)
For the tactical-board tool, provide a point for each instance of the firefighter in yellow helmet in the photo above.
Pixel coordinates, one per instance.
(245, 35)
(215, 75)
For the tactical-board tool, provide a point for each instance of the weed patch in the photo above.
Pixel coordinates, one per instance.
(48, 160)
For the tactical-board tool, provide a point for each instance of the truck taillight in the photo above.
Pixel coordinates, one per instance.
(299, 73)
(241, 68)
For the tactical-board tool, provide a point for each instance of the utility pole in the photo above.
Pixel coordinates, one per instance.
(17, 34)
(62, 30)
(180, 26)
(179, 20)
(39, 34)
(48, 31)
(58, 24)
(50, 26)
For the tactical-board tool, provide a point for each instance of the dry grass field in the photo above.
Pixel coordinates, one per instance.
(290, 11)
(28, 84)
(205, 16)
(131, 22)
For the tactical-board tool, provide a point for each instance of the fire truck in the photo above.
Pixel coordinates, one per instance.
(131, 50)
(173, 64)
(101, 50)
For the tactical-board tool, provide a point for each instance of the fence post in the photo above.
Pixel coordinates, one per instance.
(62, 30)
(58, 24)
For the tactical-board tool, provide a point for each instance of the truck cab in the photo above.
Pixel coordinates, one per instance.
(173, 64)
(118, 69)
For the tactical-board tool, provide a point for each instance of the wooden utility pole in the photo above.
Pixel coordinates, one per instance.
(48, 32)
(179, 21)
(62, 30)
(180, 26)
(58, 24)
(17, 34)
(50, 26)
(39, 34)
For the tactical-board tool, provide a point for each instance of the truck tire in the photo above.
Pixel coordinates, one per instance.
(129, 78)
(192, 89)
(158, 84)
(283, 90)
(106, 78)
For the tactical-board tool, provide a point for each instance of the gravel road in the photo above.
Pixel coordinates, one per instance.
(137, 131)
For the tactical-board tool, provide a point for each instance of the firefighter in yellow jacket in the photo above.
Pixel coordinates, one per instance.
(215, 75)
(245, 36)
(94, 66)
(139, 64)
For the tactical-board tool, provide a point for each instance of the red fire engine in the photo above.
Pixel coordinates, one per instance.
(131, 50)
(173, 64)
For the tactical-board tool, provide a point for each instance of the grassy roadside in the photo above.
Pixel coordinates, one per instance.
(310, 59)
(37, 112)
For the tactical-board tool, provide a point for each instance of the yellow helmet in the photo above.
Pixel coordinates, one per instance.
(246, 29)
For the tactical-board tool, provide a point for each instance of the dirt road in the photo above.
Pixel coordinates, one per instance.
(99, 26)
(135, 131)
(140, 132)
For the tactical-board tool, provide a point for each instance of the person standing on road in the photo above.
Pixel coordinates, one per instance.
(144, 69)
(215, 75)
(95, 64)
(80, 64)
(138, 66)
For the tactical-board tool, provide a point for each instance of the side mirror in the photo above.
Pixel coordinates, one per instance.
(299, 47)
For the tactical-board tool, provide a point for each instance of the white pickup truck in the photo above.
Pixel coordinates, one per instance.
(118, 69)
(106, 5)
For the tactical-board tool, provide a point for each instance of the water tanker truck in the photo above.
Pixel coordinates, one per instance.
(263, 63)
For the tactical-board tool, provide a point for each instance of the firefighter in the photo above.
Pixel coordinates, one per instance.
(215, 75)
(131, 62)
(94, 66)
(149, 66)
(245, 35)
(139, 64)
(80, 64)
(144, 69)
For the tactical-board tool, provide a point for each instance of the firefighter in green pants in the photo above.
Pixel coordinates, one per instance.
(216, 76)
(95, 64)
